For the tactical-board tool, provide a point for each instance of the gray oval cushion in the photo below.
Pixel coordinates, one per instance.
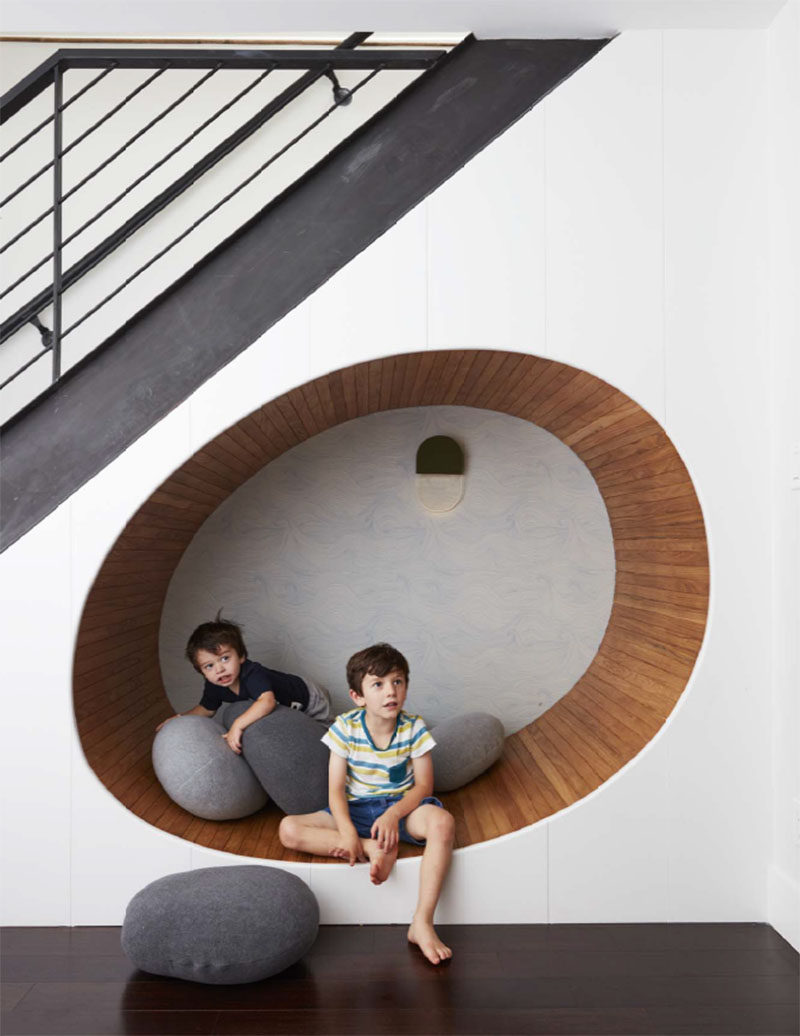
(465, 747)
(199, 772)
(285, 752)
(221, 924)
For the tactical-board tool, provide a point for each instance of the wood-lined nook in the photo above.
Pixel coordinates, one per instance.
(634, 681)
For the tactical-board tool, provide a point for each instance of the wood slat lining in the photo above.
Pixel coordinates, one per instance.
(641, 668)
(117, 682)
(545, 794)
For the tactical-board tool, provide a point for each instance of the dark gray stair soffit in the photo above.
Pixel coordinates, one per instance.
(279, 258)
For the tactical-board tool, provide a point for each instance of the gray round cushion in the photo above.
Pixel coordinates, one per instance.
(465, 747)
(285, 752)
(221, 924)
(199, 772)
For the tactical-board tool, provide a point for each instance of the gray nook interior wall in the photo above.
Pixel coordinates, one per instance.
(498, 605)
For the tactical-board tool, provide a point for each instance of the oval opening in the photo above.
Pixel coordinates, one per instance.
(616, 706)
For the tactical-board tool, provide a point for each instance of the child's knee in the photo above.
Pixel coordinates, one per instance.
(441, 826)
(289, 832)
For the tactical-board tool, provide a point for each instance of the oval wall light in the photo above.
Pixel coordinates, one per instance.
(440, 474)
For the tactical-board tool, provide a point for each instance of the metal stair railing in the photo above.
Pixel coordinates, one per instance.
(315, 65)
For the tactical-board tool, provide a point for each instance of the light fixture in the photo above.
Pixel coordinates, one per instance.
(440, 474)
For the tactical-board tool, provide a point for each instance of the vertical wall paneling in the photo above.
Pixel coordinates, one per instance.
(112, 842)
(374, 306)
(37, 651)
(275, 363)
(603, 151)
(345, 901)
(610, 861)
(202, 857)
(784, 324)
(717, 402)
(498, 883)
(486, 246)
(107, 501)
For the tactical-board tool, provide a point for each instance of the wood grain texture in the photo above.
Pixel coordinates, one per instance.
(365, 980)
(641, 668)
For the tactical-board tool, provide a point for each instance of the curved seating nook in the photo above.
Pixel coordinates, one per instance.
(640, 669)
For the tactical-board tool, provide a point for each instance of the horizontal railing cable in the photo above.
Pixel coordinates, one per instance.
(65, 105)
(86, 133)
(140, 179)
(314, 72)
(24, 367)
(111, 158)
(282, 151)
(97, 254)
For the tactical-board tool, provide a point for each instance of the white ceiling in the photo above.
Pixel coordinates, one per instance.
(266, 18)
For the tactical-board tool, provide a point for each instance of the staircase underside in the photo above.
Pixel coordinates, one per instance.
(280, 257)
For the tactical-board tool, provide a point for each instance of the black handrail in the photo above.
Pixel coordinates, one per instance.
(316, 63)
(341, 57)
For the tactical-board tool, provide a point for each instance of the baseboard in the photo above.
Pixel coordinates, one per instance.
(783, 905)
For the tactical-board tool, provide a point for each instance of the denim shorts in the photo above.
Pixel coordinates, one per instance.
(364, 813)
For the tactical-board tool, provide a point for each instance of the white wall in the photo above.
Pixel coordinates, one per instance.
(784, 335)
(621, 227)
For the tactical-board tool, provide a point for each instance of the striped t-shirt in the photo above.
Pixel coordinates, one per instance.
(373, 771)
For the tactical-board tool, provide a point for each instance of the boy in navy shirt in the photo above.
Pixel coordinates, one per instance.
(217, 651)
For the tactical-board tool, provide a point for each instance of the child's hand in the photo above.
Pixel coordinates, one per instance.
(385, 832)
(234, 740)
(350, 849)
(164, 723)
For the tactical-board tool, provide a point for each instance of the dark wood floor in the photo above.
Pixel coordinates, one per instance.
(586, 979)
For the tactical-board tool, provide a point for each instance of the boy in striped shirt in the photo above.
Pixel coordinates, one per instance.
(380, 781)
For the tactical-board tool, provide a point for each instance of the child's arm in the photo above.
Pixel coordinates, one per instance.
(258, 710)
(198, 710)
(385, 828)
(350, 848)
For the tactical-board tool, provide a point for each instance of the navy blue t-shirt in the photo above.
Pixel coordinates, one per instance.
(254, 679)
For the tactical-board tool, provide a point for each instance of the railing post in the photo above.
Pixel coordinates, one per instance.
(58, 97)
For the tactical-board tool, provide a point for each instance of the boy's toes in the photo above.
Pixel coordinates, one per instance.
(377, 873)
(380, 866)
(424, 936)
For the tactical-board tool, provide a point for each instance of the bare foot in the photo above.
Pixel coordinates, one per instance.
(423, 934)
(380, 864)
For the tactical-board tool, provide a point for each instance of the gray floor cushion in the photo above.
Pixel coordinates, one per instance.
(286, 754)
(199, 772)
(221, 925)
(465, 747)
